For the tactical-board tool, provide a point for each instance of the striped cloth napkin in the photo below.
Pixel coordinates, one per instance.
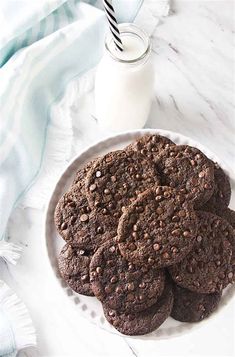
(43, 45)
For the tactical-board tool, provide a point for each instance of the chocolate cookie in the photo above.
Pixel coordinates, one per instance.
(158, 229)
(122, 286)
(116, 180)
(150, 145)
(193, 307)
(187, 168)
(80, 225)
(145, 321)
(207, 268)
(79, 178)
(74, 268)
(222, 192)
(228, 214)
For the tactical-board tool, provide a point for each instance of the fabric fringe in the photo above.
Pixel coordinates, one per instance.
(18, 317)
(59, 142)
(57, 153)
(10, 252)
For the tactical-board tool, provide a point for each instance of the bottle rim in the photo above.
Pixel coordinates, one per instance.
(129, 28)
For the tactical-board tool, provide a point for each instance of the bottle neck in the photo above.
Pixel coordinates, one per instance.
(137, 45)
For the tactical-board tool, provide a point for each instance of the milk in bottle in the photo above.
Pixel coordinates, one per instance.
(124, 81)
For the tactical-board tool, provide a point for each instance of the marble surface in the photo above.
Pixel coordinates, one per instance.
(193, 53)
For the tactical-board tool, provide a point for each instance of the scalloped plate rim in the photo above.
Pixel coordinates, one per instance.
(87, 153)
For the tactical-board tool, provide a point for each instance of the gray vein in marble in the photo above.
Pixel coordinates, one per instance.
(160, 104)
(173, 48)
(94, 118)
(175, 104)
(210, 104)
(134, 353)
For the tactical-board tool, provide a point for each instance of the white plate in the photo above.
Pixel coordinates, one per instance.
(89, 306)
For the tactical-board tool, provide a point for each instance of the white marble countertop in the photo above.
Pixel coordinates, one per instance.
(193, 53)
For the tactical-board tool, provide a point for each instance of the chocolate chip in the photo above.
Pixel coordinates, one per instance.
(174, 250)
(93, 187)
(64, 226)
(111, 313)
(142, 285)
(175, 219)
(130, 266)
(73, 220)
(201, 174)
(158, 190)
(87, 209)
(93, 274)
(99, 230)
(176, 232)
(84, 218)
(114, 279)
(98, 270)
(187, 234)
(130, 287)
(112, 249)
(119, 289)
(197, 284)
(139, 209)
(135, 228)
(166, 255)
(106, 191)
(150, 260)
(98, 174)
(199, 239)
(156, 247)
(108, 289)
(84, 278)
(134, 235)
(111, 205)
(182, 213)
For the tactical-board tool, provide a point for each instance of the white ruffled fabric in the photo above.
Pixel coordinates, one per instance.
(16, 326)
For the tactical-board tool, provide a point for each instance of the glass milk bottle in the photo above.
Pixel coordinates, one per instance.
(124, 81)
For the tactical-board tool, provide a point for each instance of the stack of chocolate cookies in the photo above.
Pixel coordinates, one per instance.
(148, 232)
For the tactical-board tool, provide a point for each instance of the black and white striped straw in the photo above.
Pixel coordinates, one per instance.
(113, 25)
